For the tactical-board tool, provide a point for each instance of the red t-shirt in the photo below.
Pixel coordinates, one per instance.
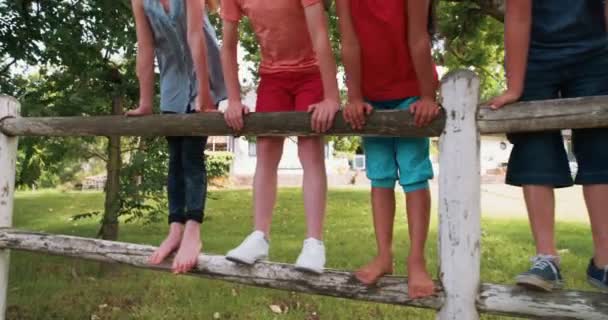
(281, 30)
(387, 69)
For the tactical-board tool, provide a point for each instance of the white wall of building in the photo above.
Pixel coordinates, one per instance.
(494, 152)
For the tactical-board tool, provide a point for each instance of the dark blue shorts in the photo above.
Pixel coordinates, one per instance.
(540, 158)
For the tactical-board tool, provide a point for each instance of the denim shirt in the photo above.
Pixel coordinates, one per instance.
(178, 84)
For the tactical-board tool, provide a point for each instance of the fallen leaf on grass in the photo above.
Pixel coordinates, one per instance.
(276, 309)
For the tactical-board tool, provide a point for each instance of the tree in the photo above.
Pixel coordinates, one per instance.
(75, 43)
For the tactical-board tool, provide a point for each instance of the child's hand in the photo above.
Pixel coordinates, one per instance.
(323, 114)
(355, 113)
(507, 97)
(234, 115)
(200, 107)
(142, 110)
(201, 104)
(425, 110)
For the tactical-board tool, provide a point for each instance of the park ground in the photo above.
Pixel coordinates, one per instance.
(45, 287)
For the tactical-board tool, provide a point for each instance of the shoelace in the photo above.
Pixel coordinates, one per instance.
(542, 262)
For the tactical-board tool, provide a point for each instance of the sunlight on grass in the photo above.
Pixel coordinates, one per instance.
(44, 287)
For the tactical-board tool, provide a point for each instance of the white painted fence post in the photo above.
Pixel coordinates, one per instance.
(9, 107)
(459, 197)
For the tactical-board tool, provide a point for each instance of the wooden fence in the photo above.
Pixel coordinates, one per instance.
(463, 296)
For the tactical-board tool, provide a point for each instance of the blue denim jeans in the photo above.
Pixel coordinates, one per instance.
(187, 179)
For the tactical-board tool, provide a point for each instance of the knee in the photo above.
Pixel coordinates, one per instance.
(269, 150)
(310, 151)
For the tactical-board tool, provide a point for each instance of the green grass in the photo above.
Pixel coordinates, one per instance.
(45, 287)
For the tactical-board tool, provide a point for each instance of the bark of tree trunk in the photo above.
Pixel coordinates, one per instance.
(109, 223)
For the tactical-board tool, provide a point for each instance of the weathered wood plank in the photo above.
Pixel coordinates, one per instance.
(380, 123)
(587, 112)
(459, 197)
(558, 305)
(495, 299)
(391, 290)
(9, 107)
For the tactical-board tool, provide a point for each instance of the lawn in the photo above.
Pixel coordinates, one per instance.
(45, 287)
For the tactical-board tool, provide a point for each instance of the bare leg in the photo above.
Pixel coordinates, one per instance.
(310, 152)
(540, 201)
(383, 208)
(169, 245)
(269, 151)
(596, 198)
(189, 248)
(420, 283)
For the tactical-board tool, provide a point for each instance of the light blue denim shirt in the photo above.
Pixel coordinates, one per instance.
(178, 85)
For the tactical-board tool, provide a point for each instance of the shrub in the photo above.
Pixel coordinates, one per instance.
(218, 163)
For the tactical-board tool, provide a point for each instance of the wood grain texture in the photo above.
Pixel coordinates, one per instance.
(576, 113)
(391, 290)
(558, 305)
(493, 299)
(9, 107)
(379, 123)
(459, 198)
(587, 112)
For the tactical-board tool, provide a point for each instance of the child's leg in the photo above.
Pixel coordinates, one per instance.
(195, 178)
(311, 154)
(175, 193)
(383, 209)
(539, 163)
(415, 170)
(420, 283)
(269, 152)
(591, 150)
(382, 171)
(540, 202)
(596, 197)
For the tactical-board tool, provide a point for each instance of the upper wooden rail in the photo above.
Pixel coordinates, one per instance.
(381, 123)
(575, 113)
(589, 112)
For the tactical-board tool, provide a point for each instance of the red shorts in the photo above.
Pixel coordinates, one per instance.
(289, 91)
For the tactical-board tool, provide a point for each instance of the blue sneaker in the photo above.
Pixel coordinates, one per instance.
(597, 277)
(544, 275)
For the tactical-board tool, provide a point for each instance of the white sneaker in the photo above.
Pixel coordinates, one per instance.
(254, 248)
(312, 257)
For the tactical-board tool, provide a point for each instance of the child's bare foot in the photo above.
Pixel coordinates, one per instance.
(189, 249)
(170, 244)
(140, 111)
(419, 282)
(374, 270)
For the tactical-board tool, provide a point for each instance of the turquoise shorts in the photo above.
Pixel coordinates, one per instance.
(397, 159)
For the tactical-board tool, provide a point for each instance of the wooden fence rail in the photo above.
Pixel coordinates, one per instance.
(589, 112)
(383, 123)
(493, 299)
(463, 295)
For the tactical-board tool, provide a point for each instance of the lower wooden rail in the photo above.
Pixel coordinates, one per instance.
(494, 299)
